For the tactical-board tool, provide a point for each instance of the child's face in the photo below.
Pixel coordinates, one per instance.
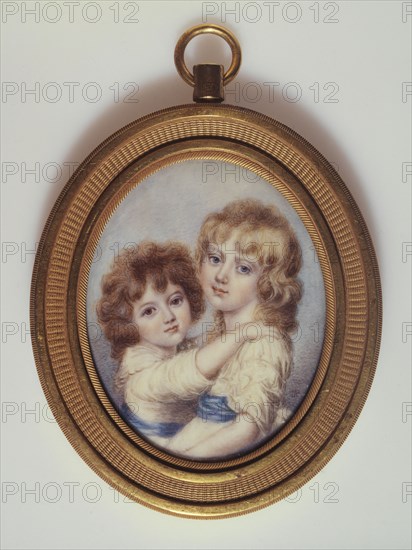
(162, 318)
(229, 280)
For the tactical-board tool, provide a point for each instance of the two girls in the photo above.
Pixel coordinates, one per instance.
(225, 397)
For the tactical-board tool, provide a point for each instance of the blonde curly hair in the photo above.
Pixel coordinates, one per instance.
(261, 230)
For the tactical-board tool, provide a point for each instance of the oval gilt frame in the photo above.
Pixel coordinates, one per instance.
(353, 311)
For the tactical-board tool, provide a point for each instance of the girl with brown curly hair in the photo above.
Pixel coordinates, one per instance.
(249, 259)
(150, 299)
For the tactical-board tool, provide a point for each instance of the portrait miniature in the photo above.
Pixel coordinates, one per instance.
(200, 335)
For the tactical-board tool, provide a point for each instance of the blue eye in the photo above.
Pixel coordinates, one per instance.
(213, 259)
(244, 269)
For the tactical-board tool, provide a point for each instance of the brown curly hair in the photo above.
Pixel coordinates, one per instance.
(261, 231)
(134, 268)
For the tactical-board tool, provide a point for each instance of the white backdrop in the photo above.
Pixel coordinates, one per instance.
(336, 72)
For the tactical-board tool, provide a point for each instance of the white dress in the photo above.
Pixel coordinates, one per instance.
(160, 390)
(251, 384)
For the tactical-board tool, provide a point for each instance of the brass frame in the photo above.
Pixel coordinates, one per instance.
(58, 312)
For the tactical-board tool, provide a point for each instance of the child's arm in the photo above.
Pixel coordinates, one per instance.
(184, 375)
(211, 357)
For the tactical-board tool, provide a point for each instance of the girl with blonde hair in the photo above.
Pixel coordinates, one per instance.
(249, 259)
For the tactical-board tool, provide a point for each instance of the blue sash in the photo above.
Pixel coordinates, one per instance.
(149, 429)
(214, 408)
